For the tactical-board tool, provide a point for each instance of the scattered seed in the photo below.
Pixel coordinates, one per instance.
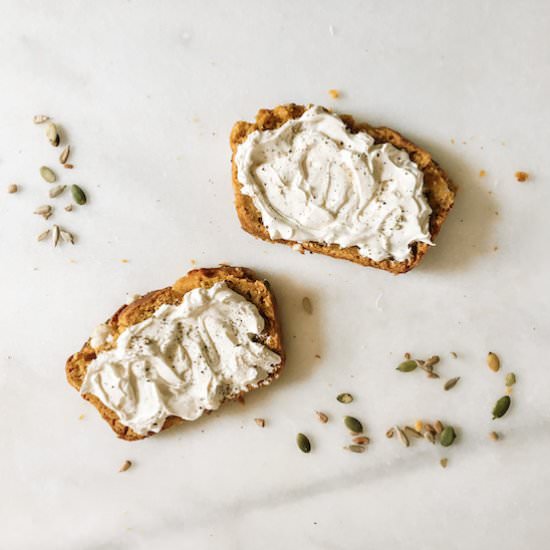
(47, 174)
(69, 208)
(39, 119)
(429, 364)
(501, 406)
(390, 433)
(494, 436)
(322, 417)
(433, 375)
(429, 436)
(361, 440)
(125, 466)
(493, 361)
(355, 448)
(429, 428)
(64, 156)
(303, 443)
(444, 462)
(45, 210)
(68, 166)
(260, 422)
(438, 426)
(407, 356)
(12, 188)
(407, 366)
(66, 236)
(447, 436)
(402, 436)
(56, 191)
(454, 355)
(55, 234)
(306, 305)
(411, 432)
(522, 176)
(353, 424)
(52, 134)
(450, 384)
(418, 425)
(510, 379)
(345, 398)
(44, 235)
(508, 390)
(78, 195)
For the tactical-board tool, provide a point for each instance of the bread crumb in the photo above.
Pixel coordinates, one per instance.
(81, 417)
(509, 390)
(494, 436)
(522, 176)
(193, 262)
(317, 356)
(335, 94)
(444, 462)
(482, 173)
(495, 248)
(124, 261)
(12, 188)
(241, 400)
(260, 422)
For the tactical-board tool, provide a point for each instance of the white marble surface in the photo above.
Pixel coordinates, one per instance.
(147, 93)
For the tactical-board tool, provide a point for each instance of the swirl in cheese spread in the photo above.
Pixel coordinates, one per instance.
(314, 180)
(183, 360)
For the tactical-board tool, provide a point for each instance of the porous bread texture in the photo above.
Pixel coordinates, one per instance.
(239, 279)
(438, 188)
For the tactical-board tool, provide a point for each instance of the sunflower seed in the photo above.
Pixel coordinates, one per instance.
(429, 428)
(407, 366)
(52, 134)
(438, 426)
(510, 379)
(447, 436)
(429, 436)
(56, 191)
(44, 235)
(402, 436)
(68, 166)
(69, 208)
(361, 440)
(429, 364)
(411, 432)
(494, 436)
(64, 156)
(125, 466)
(450, 384)
(353, 425)
(55, 234)
(322, 417)
(390, 433)
(78, 195)
(45, 210)
(444, 462)
(493, 361)
(345, 398)
(47, 174)
(501, 406)
(306, 305)
(260, 422)
(39, 119)
(303, 443)
(355, 448)
(66, 236)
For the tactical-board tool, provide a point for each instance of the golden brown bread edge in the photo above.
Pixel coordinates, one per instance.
(438, 188)
(239, 279)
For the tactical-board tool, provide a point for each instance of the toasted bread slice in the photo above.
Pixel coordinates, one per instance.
(239, 279)
(439, 190)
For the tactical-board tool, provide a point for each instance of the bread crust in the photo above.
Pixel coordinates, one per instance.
(438, 188)
(239, 279)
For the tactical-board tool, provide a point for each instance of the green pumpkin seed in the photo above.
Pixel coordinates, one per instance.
(303, 443)
(47, 174)
(450, 384)
(355, 448)
(78, 195)
(345, 398)
(510, 379)
(447, 436)
(407, 366)
(501, 406)
(353, 425)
